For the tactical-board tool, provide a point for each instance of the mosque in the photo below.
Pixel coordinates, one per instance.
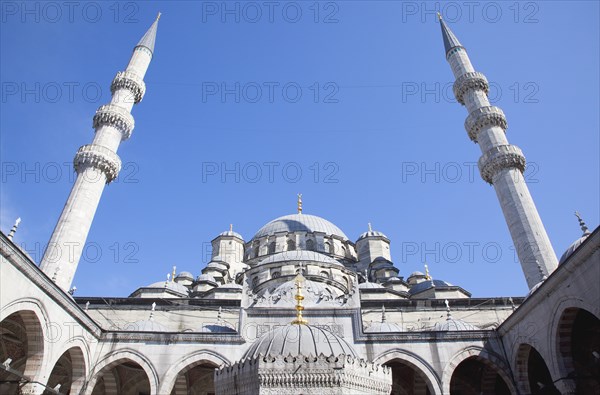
(300, 308)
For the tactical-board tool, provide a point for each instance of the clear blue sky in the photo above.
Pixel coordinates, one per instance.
(376, 117)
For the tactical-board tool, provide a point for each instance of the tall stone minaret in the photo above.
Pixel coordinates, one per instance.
(97, 164)
(501, 164)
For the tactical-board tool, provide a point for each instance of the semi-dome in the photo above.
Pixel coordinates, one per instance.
(300, 223)
(299, 340)
(299, 255)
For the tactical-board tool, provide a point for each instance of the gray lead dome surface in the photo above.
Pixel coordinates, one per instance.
(300, 223)
(299, 340)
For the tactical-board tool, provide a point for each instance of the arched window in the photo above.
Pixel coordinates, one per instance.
(256, 248)
(324, 274)
(272, 247)
(291, 245)
(327, 246)
(275, 274)
(343, 251)
(310, 245)
(254, 282)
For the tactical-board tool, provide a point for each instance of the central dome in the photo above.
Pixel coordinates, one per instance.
(300, 223)
(296, 340)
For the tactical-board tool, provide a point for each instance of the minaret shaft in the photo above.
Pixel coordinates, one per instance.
(97, 164)
(501, 164)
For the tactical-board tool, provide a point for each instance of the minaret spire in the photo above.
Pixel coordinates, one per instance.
(502, 164)
(149, 39)
(450, 40)
(97, 164)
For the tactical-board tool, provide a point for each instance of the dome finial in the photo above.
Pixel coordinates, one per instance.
(448, 313)
(370, 228)
(439, 16)
(152, 311)
(173, 273)
(427, 276)
(582, 224)
(231, 227)
(14, 229)
(299, 320)
(299, 203)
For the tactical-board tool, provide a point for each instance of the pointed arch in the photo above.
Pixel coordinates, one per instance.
(117, 358)
(418, 364)
(188, 362)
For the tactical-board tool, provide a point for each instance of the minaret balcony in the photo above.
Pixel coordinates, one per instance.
(467, 82)
(115, 116)
(499, 158)
(484, 117)
(129, 80)
(98, 157)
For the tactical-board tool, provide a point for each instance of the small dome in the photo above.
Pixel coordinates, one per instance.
(217, 328)
(185, 275)
(206, 278)
(217, 266)
(230, 286)
(299, 223)
(369, 285)
(377, 327)
(372, 233)
(170, 285)
(299, 255)
(416, 274)
(425, 285)
(299, 340)
(572, 248)
(145, 326)
(231, 233)
(454, 325)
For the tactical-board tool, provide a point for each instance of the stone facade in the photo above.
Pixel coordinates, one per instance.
(229, 330)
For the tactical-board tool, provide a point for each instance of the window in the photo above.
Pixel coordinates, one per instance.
(310, 245)
(291, 245)
(275, 274)
(272, 247)
(324, 274)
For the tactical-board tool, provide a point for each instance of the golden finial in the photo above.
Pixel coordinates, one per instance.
(231, 227)
(173, 273)
(299, 320)
(299, 203)
(158, 16)
(370, 228)
(427, 276)
(439, 16)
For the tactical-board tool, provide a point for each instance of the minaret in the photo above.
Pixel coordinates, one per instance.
(97, 164)
(501, 164)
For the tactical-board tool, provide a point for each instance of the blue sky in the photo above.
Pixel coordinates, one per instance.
(241, 98)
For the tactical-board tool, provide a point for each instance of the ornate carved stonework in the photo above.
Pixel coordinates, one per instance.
(482, 118)
(98, 157)
(279, 374)
(129, 80)
(498, 158)
(116, 117)
(467, 82)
